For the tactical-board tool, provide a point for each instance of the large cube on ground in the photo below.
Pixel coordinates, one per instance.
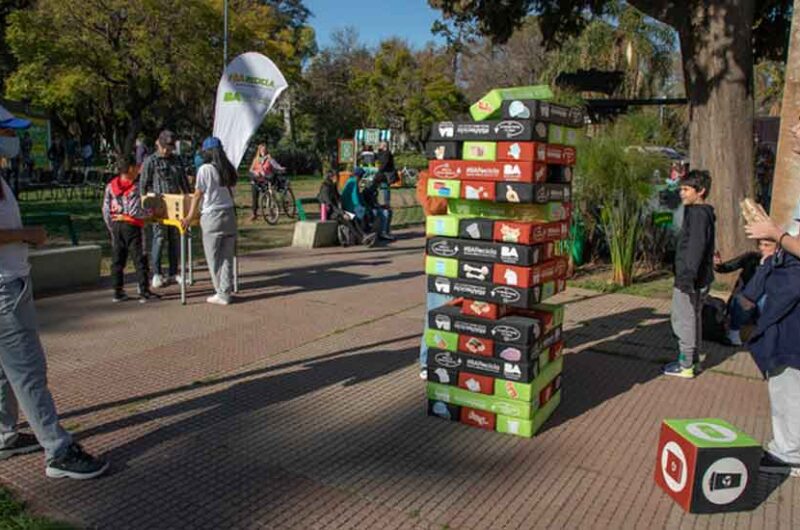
(707, 465)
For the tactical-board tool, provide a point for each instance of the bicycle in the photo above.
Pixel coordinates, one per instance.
(275, 194)
(409, 176)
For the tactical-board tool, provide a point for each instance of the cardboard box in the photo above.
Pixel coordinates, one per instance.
(443, 150)
(508, 330)
(477, 308)
(522, 193)
(490, 106)
(558, 134)
(480, 346)
(501, 294)
(445, 411)
(482, 384)
(528, 428)
(522, 152)
(168, 206)
(443, 376)
(541, 213)
(524, 371)
(441, 266)
(487, 131)
(442, 340)
(559, 155)
(478, 418)
(476, 190)
(485, 251)
(481, 272)
(531, 109)
(484, 151)
(476, 228)
(449, 189)
(487, 171)
(550, 316)
(442, 225)
(536, 389)
(464, 398)
(530, 233)
(530, 276)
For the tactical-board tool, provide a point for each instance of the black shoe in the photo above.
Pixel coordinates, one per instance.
(25, 443)
(120, 296)
(370, 240)
(770, 464)
(147, 296)
(388, 237)
(76, 463)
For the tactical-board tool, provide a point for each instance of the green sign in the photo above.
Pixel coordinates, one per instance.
(347, 152)
(39, 132)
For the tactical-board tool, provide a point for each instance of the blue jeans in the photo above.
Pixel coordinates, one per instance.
(173, 237)
(23, 372)
(432, 301)
(739, 316)
(383, 216)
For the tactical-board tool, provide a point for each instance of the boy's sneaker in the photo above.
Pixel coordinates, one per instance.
(774, 466)
(423, 374)
(147, 296)
(676, 370)
(120, 296)
(178, 279)
(157, 282)
(76, 463)
(25, 443)
(388, 237)
(217, 300)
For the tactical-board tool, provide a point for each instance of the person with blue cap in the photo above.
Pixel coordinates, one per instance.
(213, 201)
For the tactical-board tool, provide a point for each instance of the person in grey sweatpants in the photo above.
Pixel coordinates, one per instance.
(213, 200)
(694, 273)
(23, 369)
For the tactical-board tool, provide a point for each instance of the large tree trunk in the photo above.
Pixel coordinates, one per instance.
(716, 43)
(786, 186)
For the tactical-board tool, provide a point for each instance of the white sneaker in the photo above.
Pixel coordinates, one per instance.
(178, 279)
(217, 300)
(157, 282)
(423, 374)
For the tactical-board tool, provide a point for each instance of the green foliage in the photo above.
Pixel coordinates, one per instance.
(770, 78)
(618, 182)
(14, 517)
(411, 160)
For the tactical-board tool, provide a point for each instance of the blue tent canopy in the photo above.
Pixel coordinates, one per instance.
(15, 123)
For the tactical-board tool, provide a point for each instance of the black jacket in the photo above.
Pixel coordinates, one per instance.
(386, 162)
(329, 194)
(747, 262)
(163, 175)
(694, 257)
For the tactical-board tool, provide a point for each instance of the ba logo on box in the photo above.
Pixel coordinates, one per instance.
(673, 466)
(711, 432)
(724, 481)
(512, 370)
(512, 170)
(509, 254)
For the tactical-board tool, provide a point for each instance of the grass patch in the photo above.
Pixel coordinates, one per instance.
(13, 516)
(656, 284)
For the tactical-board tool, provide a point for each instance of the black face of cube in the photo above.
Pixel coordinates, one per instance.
(443, 410)
(443, 150)
(725, 479)
(482, 229)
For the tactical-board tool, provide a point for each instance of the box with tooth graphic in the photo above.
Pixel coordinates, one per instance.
(482, 384)
(443, 376)
(531, 109)
(523, 193)
(529, 233)
(476, 190)
(476, 228)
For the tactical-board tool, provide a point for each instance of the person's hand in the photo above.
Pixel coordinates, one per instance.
(35, 235)
(767, 229)
(117, 217)
(717, 259)
(185, 223)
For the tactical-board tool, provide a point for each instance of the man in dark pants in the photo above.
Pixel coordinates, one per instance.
(387, 175)
(163, 172)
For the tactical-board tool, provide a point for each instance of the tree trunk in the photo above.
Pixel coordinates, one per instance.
(716, 43)
(786, 185)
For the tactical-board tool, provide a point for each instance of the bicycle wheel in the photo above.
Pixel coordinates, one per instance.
(269, 207)
(288, 203)
(410, 178)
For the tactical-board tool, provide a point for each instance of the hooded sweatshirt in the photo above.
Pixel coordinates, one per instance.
(122, 198)
(694, 257)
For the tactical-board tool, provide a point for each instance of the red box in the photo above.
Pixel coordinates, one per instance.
(556, 350)
(487, 171)
(559, 155)
(530, 233)
(521, 152)
(676, 465)
(549, 391)
(478, 418)
(478, 190)
(481, 384)
(476, 345)
(530, 276)
(487, 310)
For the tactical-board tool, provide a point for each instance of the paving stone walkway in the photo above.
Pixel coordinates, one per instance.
(301, 407)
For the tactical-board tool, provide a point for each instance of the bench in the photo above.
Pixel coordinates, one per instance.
(48, 218)
(315, 234)
(56, 269)
(301, 212)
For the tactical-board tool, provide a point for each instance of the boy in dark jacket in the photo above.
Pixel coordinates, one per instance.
(694, 272)
(124, 217)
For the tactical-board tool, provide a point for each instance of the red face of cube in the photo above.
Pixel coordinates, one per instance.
(475, 345)
(481, 384)
(675, 466)
(478, 418)
(480, 309)
(478, 190)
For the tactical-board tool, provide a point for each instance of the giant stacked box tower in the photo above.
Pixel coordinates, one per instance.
(494, 358)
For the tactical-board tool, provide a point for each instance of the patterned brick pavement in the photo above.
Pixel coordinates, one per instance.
(301, 408)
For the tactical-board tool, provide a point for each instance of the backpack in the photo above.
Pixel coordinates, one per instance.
(715, 320)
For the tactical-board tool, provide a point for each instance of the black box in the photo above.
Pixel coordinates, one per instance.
(532, 109)
(481, 272)
(559, 174)
(477, 228)
(443, 150)
(489, 131)
(443, 376)
(523, 193)
(442, 410)
(488, 292)
(520, 372)
(485, 251)
(507, 330)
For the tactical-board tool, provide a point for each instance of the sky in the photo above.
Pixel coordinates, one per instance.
(374, 19)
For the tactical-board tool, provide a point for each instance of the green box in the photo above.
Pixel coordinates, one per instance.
(698, 432)
(562, 135)
(442, 225)
(465, 398)
(448, 189)
(530, 391)
(544, 213)
(556, 309)
(491, 105)
(528, 428)
(435, 266)
(480, 151)
(443, 340)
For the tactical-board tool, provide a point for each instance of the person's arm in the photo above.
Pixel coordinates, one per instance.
(146, 178)
(194, 208)
(769, 229)
(695, 249)
(107, 198)
(184, 179)
(275, 165)
(734, 264)
(34, 235)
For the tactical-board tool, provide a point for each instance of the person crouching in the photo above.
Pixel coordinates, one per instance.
(214, 189)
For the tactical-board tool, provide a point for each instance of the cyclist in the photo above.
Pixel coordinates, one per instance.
(263, 168)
